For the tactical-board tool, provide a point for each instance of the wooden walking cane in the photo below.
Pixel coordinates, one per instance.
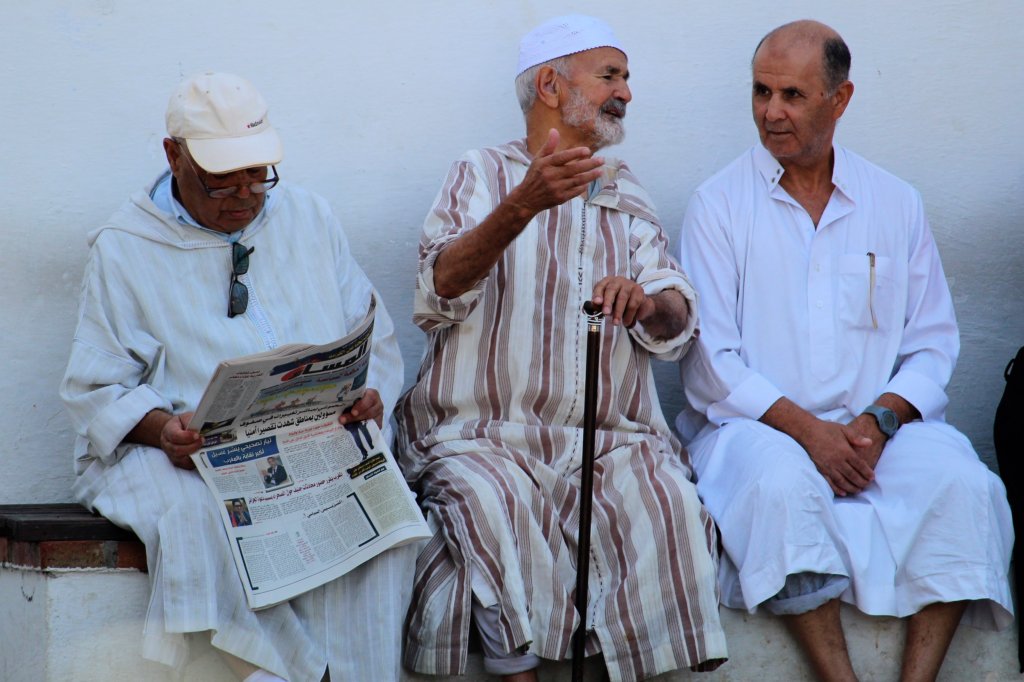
(595, 322)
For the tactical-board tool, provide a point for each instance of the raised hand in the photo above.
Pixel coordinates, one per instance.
(554, 178)
(551, 179)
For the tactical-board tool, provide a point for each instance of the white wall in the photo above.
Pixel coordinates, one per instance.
(375, 99)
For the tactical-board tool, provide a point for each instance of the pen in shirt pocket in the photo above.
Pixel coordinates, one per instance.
(871, 288)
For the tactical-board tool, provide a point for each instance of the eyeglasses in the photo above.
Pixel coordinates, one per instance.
(225, 192)
(238, 293)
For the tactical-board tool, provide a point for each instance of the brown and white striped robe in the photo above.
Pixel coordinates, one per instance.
(491, 437)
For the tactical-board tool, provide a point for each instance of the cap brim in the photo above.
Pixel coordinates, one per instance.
(229, 154)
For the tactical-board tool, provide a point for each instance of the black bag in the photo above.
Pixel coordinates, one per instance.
(1008, 435)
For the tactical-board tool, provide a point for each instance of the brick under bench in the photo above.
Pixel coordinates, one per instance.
(74, 592)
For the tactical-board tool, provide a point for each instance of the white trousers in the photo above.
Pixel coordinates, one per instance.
(934, 525)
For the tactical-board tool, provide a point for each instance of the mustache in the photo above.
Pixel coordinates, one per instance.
(615, 107)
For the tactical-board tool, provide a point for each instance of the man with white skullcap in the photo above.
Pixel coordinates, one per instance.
(519, 237)
(215, 260)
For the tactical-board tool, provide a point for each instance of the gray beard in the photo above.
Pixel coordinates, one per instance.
(578, 112)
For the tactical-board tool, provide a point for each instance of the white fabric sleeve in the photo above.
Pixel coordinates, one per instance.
(716, 380)
(931, 339)
(103, 386)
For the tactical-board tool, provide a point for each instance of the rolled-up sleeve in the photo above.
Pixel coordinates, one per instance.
(655, 271)
(463, 202)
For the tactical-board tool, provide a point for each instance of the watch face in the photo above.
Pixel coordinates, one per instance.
(887, 420)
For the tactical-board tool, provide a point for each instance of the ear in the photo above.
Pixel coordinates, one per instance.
(173, 153)
(548, 86)
(841, 99)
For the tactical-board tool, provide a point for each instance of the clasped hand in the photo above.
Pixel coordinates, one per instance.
(846, 454)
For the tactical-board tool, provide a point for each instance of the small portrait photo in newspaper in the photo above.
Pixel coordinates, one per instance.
(274, 474)
(238, 512)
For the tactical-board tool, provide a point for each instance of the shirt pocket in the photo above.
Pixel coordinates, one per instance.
(867, 292)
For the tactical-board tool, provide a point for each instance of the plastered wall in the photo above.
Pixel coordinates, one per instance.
(375, 99)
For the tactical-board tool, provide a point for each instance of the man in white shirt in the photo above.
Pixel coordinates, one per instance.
(212, 261)
(817, 384)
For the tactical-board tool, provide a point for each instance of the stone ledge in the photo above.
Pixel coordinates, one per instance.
(87, 626)
(41, 546)
(59, 536)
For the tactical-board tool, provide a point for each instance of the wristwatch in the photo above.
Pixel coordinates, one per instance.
(887, 420)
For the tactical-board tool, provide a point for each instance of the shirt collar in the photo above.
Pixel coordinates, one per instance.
(771, 170)
(769, 167)
(841, 175)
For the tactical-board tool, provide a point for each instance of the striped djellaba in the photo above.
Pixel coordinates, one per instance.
(490, 437)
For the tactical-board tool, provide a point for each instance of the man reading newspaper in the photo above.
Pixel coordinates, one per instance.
(214, 260)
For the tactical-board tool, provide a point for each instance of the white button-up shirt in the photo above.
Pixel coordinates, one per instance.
(830, 317)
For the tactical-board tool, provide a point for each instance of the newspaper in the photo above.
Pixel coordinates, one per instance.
(303, 498)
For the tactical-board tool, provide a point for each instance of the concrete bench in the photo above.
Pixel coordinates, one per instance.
(74, 591)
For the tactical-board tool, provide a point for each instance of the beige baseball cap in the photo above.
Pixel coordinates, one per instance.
(223, 120)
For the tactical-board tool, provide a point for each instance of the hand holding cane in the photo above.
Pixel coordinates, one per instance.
(595, 323)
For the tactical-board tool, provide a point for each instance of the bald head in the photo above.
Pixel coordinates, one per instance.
(835, 55)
